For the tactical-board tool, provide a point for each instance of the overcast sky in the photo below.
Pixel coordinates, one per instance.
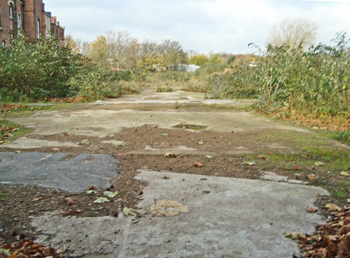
(200, 25)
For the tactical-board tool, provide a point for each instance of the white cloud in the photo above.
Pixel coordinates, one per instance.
(201, 25)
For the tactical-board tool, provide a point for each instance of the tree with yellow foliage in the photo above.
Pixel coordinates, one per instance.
(99, 49)
(152, 62)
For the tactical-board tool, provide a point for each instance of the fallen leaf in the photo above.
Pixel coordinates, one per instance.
(209, 156)
(18, 152)
(91, 187)
(121, 144)
(295, 235)
(170, 155)
(311, 177)
(164, 134)
(69, 201)
(261, 157)
(110, 194)
(101, 200)
(346, 174)
(79, 211)
(91, 192)
(250, 163)
(65, 134)
(166, 178)
(200, 143)
(296, 168)
(318, 163)
(5, 251)
(55, 149)
(34, 178)
(198, 164)
(83, 142)
(15, 130)
(69, 212)
(311, 209)
(37, 199)
(333, 207)
(287, 168)
(61, 251)
(155, 126)
(128, 212)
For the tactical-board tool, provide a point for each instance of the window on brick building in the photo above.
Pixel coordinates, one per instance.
(19, 24)
(3, 43)
(11, 10)
(0, 16)
(38, 28)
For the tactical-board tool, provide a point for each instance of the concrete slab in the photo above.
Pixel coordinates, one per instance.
(47, 170)
(106, 122)
(226, 217)
(180, 97)
(28, 143)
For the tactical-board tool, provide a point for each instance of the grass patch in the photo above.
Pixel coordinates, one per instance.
(10, 131)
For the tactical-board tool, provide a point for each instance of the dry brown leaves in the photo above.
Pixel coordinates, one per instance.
(69, 201)
(28, 249)
(198, 164)
(331, 239)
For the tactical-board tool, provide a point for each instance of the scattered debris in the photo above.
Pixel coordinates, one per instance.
(295, 235)
(170, 155)
(83, 142)
(318, 163)
(101, 200)
(311, 177)
(110, 194)
(55, 149)
(331, 239)
(28, 248)
(69, 201)
(346, 174)
(311, 209)
(91, 187)
(91, 192)
(198, 164)
(261, 157)
(128, 212)
(333, 207)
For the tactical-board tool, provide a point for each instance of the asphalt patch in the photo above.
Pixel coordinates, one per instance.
(48, 170)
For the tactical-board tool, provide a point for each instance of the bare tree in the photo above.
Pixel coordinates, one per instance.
(293, 33)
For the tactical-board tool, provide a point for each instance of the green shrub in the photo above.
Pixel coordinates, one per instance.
(35, 71)
(315, 81)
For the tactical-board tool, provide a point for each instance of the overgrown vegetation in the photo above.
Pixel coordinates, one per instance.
(293, 83)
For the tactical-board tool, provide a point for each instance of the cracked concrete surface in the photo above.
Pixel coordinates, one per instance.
(227, 217)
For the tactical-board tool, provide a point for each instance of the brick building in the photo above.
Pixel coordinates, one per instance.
(28, 17)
